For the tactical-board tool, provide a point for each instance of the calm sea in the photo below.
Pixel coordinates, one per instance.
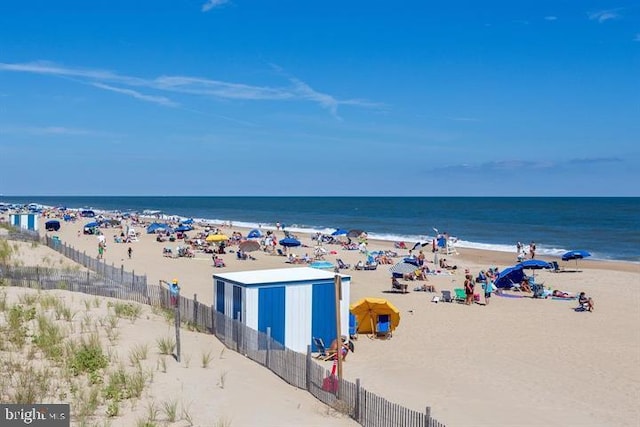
(606, 227)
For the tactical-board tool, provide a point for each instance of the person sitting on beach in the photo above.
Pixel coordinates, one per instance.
(443, 264)
(420, 275)
(345, 347)
(395, 284)
(524, 285)
(482, 278)
(585, 301)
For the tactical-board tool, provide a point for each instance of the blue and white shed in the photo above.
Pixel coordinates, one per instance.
(297, 304)
(27, 221)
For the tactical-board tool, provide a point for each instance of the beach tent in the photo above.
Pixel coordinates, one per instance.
(184, 228)
(154, 227)
(254, 234)
(367, 311)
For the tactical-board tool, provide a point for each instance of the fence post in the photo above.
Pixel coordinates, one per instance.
(427, 416)
(195, 309)
(308, 368)
(121, 273)
(88, 274)
(356, 405)
(268, 345)
(177, 325)
(213, 319)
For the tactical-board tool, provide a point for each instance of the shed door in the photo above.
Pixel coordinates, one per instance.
(220, 296)
(271, 306)
(16, 220)
(237, 303)
(323, 315)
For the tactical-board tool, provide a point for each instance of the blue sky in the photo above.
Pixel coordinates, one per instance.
(239, 97)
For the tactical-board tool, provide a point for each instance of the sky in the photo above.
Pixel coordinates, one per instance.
(332, 98)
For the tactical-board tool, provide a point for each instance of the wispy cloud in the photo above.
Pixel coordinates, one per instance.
(161, 100)
(296, 90)
(551, 18)
(604, 15)
(211, 4)
(47, 130)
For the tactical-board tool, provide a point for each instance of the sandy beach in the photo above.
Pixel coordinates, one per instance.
(517, 361)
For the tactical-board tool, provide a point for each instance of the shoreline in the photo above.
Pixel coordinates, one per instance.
(544, 250)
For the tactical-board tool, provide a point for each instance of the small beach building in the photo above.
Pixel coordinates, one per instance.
(296, 304)
(27, 221)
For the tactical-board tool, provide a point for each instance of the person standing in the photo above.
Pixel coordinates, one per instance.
(130, 252)
(532, 249)
(174, 290)
(488, 289)
(468, 289)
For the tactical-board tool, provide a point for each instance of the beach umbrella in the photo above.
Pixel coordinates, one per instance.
(355, 233)
(216, 238)
(289, 242)
(577, 254)
(184, 228)
(187, 221)
(508, 277)
(420, 245)
(249, 246)
(534, 264)
(367, 311)
(340, 232)
(91, 225)
(403, 268)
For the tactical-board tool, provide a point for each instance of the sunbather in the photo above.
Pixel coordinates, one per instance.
(345, 347)
(524, 285)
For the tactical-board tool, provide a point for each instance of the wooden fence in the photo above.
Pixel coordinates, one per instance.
(297, 369)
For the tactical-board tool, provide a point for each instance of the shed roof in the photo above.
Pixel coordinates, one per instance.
(278, 275)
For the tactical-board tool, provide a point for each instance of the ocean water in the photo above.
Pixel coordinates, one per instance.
(606, 227)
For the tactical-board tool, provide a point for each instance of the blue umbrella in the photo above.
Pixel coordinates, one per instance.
(578, 254)
(188, 221)
(534, 264)
(289, 242)
(339, 232)
(508, 277)
(184, 228)
(91, 225)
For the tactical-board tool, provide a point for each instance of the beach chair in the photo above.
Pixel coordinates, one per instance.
(383, 326)
(323, 353)
(446, 296)
(353, 327)
(556, 268)
(460, 296)
(397, 286)
(342, 265)
(371, 266)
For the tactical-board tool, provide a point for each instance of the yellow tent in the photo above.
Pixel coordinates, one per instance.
(216, 238)
(367, 311)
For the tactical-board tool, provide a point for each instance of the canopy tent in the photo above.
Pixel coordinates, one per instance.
(367, 311)
(154, 227)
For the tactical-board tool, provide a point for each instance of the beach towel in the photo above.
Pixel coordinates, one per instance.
(572, 298)
(503, 295)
